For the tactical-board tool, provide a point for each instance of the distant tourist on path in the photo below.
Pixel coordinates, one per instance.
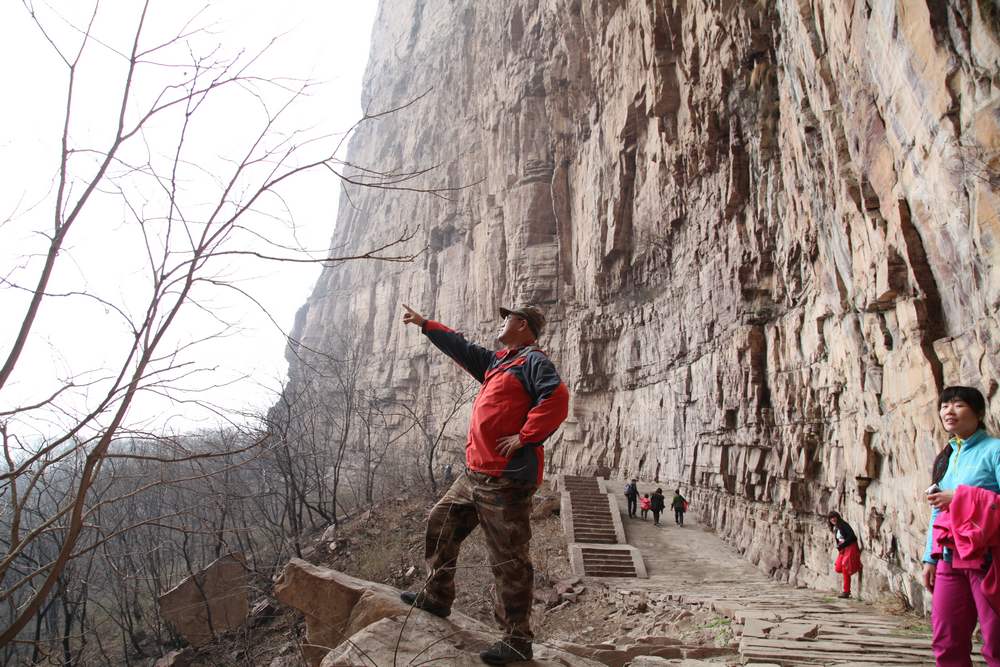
(964, 581)
(848, 552)
(632, 496)
(657, 503)
(644, 505)
(521, 402)
(679, 505)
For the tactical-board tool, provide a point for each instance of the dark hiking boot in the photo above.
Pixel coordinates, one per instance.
(845, 595)
(507, 651)
(419, 601)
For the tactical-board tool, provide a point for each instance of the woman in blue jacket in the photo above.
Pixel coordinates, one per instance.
(971, 458)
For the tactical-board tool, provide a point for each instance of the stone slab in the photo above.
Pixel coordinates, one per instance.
(576, 557)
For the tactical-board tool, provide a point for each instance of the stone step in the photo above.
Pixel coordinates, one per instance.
(585, 538)
(607, 558)
(599, 540)
(603, 573)
(622, 566)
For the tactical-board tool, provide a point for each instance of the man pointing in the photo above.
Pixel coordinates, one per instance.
(521, 402)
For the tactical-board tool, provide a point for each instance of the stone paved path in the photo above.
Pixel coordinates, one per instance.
(778, 624)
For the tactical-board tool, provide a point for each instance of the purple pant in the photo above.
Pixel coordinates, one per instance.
(958, 603)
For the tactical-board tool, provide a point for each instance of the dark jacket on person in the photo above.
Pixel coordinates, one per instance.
(656, 502)
(521, 394)
(678, 504)
(844, 535)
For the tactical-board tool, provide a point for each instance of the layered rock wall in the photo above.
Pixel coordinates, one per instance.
(766, 234)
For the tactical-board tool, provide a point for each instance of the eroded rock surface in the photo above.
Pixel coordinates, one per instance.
(350, 621)
(766, 234)
(209, 603)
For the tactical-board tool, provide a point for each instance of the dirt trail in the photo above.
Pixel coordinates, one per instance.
(775, 622)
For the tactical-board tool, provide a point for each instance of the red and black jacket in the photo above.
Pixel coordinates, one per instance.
(521, 394)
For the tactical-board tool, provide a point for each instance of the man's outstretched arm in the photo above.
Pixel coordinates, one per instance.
(471, 357)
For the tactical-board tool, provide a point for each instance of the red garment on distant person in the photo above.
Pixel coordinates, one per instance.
(970, 528)
(848, 560)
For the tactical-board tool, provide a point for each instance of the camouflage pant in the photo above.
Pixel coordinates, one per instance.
(503, 508)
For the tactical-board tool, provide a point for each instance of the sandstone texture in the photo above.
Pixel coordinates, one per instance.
(766, 234)
(335, 605)
(350, 621)
(207, 604)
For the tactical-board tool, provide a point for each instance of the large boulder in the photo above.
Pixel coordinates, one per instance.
(181, 658)
(209, 603)
(350, 621)
(423, 639)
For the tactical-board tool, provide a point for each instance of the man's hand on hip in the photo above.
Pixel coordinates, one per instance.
(413, 317)
(509, 444)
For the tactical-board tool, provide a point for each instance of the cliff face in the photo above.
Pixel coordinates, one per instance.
(766, 234)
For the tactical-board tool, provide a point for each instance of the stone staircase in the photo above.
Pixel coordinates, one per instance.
(594, 529)
(607, 563)
(592, 519)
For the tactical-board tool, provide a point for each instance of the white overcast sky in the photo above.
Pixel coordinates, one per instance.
(325, 41)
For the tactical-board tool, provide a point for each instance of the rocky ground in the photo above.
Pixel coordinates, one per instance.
(768, 622)
(701, 604)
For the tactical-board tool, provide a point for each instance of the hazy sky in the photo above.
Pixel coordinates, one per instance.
(325, 41)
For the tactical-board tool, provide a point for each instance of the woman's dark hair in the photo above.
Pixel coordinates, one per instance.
(834, 515)
(970, 395)
(974, 399)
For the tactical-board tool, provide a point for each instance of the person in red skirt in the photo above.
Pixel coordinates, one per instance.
(848, 552)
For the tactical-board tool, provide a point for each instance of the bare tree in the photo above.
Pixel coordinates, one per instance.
(383, 424)
(190, 238)
(433, 427)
